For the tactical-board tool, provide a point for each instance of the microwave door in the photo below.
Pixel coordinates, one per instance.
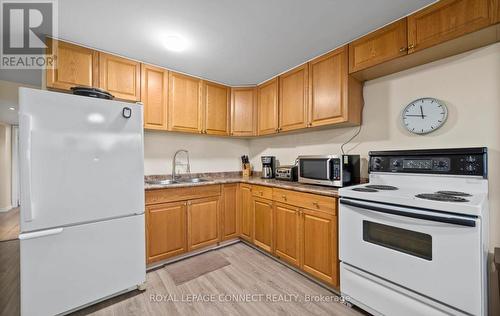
(315, 169)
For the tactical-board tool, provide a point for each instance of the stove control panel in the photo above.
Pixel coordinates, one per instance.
(469, 161)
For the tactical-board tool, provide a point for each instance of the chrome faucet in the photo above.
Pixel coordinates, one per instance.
(174, 164)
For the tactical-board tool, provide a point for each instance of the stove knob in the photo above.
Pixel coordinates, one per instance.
(441, 164)
(377, 160)
(470, 168)
(395, 163)
(376, 166)
(470, 159)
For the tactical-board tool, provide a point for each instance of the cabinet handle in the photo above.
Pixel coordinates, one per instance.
(261, 193)
(411, 46)
(402, 49)
(284, 197)
(316, 204)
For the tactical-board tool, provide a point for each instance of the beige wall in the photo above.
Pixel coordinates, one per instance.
(468, 83)
(206, 153)
(5, 167)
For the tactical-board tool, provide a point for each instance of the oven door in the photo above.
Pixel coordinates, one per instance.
(434, 254)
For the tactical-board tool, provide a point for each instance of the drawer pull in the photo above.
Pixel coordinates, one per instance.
(261, 193)
(283, 197)
(316, 204)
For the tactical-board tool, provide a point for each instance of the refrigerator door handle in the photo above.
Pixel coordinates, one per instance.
(41, 233)
(26, 121)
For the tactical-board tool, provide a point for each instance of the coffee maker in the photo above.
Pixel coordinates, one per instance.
(268, 167)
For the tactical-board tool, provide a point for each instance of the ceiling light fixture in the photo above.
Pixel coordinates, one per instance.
(12, 108)
(175, 43)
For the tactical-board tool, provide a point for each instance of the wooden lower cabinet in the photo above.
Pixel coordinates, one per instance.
(287, 226)
(319, 244)
(203, 222)
(165, 230)
(229, 212)
(246, 212)
(263, 223)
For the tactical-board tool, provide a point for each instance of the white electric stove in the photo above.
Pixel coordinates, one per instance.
(414, 240)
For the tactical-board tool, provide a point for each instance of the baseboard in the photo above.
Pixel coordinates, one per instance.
(6, 209)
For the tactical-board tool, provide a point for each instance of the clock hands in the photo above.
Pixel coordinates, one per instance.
(417, 115)
(422, 112)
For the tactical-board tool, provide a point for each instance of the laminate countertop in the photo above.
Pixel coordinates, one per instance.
(236, 177)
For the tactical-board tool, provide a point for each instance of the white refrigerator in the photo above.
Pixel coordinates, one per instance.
(82, 200)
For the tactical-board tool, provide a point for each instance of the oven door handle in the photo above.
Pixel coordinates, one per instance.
(428, 217)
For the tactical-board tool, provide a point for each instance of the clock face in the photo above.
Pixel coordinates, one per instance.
(424, 115)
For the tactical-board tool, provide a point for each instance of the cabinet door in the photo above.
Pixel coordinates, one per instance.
(287, 233)
(328, 88)
(154, 92)
(75, 66)
(216, 106)
(267, 108)
(319, 244)
(246, 212)
(243, 112)
(446, 20)
(263, 223)
(293, 99)
(184, 103)
(230, 216)
(120, 76)
(377, 47)
(165, 230)
(203, 222)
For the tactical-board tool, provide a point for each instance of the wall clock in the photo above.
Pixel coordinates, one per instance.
(424, 115)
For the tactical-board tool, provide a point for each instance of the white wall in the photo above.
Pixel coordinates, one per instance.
(206, 153)
(469, 84)
(5, 167)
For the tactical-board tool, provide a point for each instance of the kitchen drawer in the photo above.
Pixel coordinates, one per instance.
(262, 192)
(181, 194)
(306, 200)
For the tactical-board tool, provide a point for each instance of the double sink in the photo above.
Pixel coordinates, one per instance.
(170, 181)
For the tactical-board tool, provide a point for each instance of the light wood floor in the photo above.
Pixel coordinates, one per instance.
(9, 224)
(9, 278)
(250, 272)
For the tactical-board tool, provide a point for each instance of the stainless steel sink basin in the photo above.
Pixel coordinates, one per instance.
(193, 180)
(162, 182)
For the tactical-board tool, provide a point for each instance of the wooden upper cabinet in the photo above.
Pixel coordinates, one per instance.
(293, 99)
(377, 47)
(267, 107)
(243, 111)
(75, 66)
(120, 76)
(154, 92)
(203, 222)
(184, 103)
(165, 230)
(334, 96)
(263, 223)
(229, 212)
(246, 212)
(216, 104)
(446, 20)
(287, 226)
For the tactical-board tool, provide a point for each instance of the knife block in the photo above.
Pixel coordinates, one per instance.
(247, 170)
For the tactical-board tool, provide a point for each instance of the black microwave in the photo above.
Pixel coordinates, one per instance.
(331, 170)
